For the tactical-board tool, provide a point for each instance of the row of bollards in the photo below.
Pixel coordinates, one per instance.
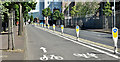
(114, 34)
(62, 29)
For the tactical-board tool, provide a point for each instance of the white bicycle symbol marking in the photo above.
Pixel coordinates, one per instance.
(51, 57)
(88, 55)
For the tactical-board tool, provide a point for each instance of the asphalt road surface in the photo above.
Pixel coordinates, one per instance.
(57, 48)
(98, 37)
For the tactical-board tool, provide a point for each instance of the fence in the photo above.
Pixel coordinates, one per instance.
(92, 22)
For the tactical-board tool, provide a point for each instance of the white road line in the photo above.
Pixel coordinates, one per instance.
(43, 49)
(96, 46)
(112, 55)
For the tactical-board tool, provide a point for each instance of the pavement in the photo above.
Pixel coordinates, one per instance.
(109, 31)
(18, 52)
(43, 44)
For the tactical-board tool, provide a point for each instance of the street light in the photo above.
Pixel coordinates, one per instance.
(68, 12)
(114, 13)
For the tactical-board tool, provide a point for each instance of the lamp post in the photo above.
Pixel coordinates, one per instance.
(68, 12)
(114, 14)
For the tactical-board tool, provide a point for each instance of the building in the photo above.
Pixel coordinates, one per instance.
(53, 5)
(35, 12)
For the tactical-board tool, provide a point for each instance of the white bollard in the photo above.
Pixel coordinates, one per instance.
(115, 38)
(77, 31)
(48, 26)
(62, 28)
(54, 27)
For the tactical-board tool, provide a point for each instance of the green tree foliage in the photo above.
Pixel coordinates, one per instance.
(86, 8)
(61, 17)
(107, 12)
(74, 11)
(107, 9)
(26, 7)
(46, 12)
(31, 18)
(56, 15)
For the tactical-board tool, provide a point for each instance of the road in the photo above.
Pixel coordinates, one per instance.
(59, 46)
(98, 37)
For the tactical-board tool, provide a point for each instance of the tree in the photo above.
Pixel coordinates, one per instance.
(85, 8)
(58, 16)
(61, 17)
(73, 12)
(26, 7)
(107, 12)
(46, 13)
(31, 18)
(15, 5)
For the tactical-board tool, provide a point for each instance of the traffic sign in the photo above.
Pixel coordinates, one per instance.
(62, 28)
(115, 38)
(54, 27)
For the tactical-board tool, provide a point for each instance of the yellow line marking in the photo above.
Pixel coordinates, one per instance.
(88, 41)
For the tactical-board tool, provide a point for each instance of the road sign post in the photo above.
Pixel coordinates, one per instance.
(62, 28)
(54, 27)
(77, 31)
(115, 38)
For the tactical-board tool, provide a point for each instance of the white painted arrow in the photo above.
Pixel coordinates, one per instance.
(44, 49)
